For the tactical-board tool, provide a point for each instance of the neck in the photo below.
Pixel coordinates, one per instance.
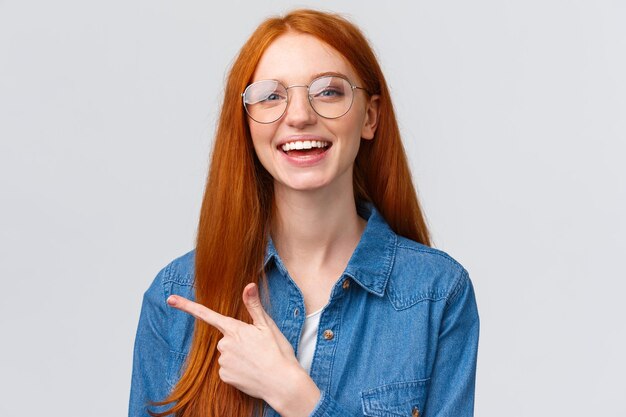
(315, 225)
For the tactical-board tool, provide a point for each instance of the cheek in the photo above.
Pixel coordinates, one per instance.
(261, 141)
(261, 136)
(352, 127)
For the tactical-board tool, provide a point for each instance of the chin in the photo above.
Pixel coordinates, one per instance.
(305, 185)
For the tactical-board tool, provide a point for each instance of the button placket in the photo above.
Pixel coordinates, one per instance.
(329, 325)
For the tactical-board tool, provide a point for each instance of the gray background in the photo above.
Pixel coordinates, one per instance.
(512, 112)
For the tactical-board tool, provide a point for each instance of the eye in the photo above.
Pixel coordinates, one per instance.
(274, 97)
(330, 92)
(329, 89)
(266, 92)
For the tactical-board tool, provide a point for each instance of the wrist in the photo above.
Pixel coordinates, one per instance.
(298, 396)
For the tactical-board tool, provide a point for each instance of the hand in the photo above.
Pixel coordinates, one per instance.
(257, 358)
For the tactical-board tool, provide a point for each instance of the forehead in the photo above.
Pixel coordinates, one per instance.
(296, 58)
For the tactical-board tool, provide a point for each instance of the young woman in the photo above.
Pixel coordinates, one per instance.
(316, 292)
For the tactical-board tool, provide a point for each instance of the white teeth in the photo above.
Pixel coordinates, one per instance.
(307, 144)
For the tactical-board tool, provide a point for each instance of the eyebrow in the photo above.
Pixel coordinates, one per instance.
(322, 74)
(318, 75)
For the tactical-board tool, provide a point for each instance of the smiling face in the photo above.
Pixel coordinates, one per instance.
(302, 150)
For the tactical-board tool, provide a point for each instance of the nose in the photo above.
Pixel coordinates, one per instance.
(299, 112)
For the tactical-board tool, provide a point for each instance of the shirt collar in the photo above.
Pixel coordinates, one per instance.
(371, 263)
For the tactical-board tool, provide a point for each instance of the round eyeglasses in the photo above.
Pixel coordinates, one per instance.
(330, 96)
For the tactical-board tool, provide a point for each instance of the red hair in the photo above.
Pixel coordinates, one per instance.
(237, 205)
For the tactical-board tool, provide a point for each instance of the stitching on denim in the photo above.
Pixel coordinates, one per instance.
(162, 274)
(340, 327)
(173, 274)
(173, 376)
(182, 279)
(177, 272)
(388, 263)
(456, 288)
(395, 385)
(296, 298)
(356, 279)
(333, 355)
(432, 251)
(413, 301)
(369, 397)
(186, 283)
(448, 294)
(317, 344)
(324, 404)
(317, 347)
(180, 354)
(391, 260)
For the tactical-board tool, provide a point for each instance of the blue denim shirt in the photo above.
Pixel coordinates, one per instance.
(398, 337)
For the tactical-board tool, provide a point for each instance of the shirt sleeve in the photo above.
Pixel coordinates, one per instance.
(452, 382)
(150, 353)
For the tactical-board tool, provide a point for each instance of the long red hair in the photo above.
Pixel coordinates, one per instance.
(237, 205)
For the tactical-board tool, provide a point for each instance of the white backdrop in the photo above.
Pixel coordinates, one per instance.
(513, 114)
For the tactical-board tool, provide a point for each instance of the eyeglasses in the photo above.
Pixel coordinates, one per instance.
(330, 96)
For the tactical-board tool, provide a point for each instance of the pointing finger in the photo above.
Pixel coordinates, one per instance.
(253, 304)
(199, 311)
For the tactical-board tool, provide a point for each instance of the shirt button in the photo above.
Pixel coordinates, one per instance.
(416, 412)
(346, 284)
(296, 311)
(328, 334)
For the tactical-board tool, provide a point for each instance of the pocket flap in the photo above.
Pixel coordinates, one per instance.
(397, 399)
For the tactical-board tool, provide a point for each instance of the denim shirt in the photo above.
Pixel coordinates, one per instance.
(398, 337)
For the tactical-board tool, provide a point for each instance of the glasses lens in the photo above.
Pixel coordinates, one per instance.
(331, 97)
(265, 101)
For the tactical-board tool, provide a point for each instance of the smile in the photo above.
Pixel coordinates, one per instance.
(305, 151)
(304, 144)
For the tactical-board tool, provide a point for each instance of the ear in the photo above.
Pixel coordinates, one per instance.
(371, 118)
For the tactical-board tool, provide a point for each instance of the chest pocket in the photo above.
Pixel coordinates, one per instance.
(399, 399)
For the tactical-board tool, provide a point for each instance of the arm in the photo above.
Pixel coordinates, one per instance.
(150, 353)
(258, 360)
(451, 392)
(303, 398)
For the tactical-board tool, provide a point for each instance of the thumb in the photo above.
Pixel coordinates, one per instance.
(253, 304)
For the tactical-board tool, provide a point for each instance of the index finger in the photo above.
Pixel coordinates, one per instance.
(199, 311)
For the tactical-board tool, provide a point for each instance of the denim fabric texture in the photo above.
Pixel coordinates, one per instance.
(404, 326)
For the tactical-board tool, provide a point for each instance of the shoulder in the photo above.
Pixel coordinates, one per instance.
(174, 326)
(422, 273)
(177, 277)
(179, 271)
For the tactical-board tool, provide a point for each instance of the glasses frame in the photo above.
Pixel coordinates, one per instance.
(352, 86)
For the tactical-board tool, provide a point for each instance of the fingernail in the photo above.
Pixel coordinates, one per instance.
(252, 292)
(171, 300)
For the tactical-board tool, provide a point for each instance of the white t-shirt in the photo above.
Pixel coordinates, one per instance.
(308, 338)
